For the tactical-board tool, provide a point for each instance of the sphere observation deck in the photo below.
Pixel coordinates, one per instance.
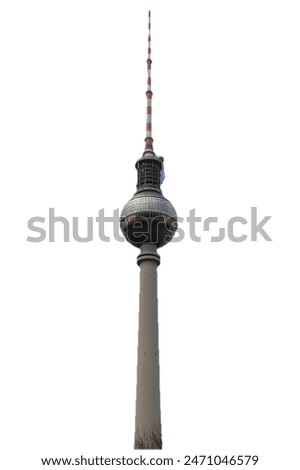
(149, 217)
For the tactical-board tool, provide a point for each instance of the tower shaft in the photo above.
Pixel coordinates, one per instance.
(147, 420)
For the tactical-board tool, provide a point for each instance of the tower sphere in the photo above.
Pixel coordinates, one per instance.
(149, 217)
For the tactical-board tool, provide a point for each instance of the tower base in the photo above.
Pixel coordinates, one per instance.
(149, 440)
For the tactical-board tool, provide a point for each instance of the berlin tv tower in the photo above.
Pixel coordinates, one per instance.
(148, 221)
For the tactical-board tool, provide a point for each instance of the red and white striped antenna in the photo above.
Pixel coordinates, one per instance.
(149, 139)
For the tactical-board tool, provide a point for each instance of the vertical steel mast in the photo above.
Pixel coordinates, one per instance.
(149, 140)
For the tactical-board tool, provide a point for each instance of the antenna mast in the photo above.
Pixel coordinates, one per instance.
(149, 139)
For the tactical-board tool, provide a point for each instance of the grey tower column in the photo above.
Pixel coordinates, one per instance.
(147, 419)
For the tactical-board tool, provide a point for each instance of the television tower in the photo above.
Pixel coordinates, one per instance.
(148, 221)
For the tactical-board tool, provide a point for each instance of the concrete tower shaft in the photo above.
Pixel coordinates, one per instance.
(147, 419)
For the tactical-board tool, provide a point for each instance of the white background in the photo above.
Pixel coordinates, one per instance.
(226, 115)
